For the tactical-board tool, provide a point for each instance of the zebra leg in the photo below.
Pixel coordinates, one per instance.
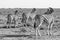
(48, 30)
(38, 33)
(39, 27)
(51, 25)
(51, 29)
(38, 30)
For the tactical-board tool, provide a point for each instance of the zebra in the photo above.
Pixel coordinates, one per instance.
(50, 20)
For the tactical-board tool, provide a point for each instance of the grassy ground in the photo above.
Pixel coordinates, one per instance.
(17, 31)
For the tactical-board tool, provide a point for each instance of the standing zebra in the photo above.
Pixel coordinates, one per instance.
(49, 19)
